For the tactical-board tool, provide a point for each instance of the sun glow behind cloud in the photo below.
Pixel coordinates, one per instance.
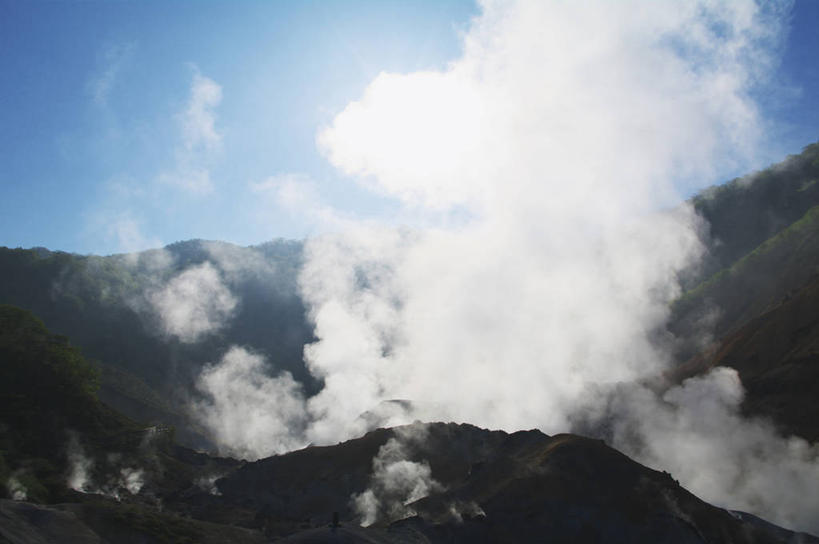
(419, 129)
(563, 149)
(563, 129)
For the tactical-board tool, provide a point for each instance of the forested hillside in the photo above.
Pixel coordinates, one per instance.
(118, 310)
(754, 306)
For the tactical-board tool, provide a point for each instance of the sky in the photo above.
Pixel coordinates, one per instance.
(129, 125)
(542, 172)
(537, 150)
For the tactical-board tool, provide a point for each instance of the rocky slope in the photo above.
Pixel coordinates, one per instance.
(483, 486)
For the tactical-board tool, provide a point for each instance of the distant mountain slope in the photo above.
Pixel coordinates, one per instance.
(78, 471)
(745, 212)
(777, 356)
(108, 306)
(755, 282)
(46, 387)
(102, 473)
(758, 312)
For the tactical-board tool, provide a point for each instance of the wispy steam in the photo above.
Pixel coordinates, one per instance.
(80, 466)
(200, 138)
(696, 431)
(559, 135)
(250, 413)
(194, 303)
(110, 62)
(561, 150)
(132, 479)
(208, 483)
(396, 481)
(112, 479)
(17, 491)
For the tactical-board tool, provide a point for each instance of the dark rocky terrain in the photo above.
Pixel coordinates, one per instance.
(76, 471)
(495, 487)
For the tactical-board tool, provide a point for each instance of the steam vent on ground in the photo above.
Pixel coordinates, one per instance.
(404, 272)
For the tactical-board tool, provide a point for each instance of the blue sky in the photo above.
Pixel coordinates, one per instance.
(107, 147)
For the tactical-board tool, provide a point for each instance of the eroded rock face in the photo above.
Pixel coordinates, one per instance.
(490, 487)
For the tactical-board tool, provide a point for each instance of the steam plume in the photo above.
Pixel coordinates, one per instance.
(563, 135)
(396, 481)
(250, 413)
(194, 303)
(17, 491)
(80, 466)
(112, 481)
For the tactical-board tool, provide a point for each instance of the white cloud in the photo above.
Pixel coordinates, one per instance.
(122, 230)
(652, 88)
(112, 61)
(298, 195)
(129, 235)
(295, 192)
(200, 140)
(193, 304)
(196, 150)
(188, 177)
(199, 120)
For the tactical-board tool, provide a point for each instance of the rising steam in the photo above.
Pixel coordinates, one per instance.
(193, 304)
(249, 413)
(109, 477)
(396, 480)
(565, 136)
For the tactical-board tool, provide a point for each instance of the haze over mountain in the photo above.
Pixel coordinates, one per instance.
(413, 379)
(207, 336)
(78, 472)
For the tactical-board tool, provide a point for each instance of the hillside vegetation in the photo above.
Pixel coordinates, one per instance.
(75, 469)
(745, 212)
(758, 310)
(103, 304)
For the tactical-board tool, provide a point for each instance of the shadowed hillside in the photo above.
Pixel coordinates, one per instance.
(77, 471)
(757, 312)
(112, 309)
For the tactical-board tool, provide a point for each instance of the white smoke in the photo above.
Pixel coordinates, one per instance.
(80, 466)
(16, 489)
(199, 141)
(250, 413)
(459, 509)
(194, 303)
(132, 479)
(557, 138)
(560, 132)
(208, 484)
(115, 480)
(696, 432)
(396, 481)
